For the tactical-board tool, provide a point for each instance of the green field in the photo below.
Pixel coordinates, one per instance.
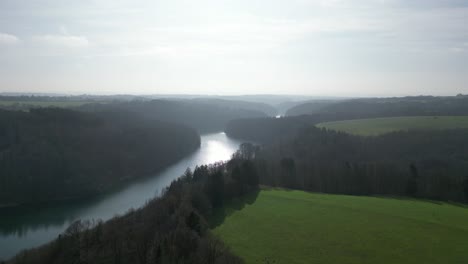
(378, 126)
(298, 227)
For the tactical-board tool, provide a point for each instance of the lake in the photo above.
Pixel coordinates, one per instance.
(30, 226)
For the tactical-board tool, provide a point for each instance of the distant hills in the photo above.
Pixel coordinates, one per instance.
(383, 107)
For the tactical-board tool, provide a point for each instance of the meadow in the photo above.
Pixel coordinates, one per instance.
(378, 126)
(281, 226)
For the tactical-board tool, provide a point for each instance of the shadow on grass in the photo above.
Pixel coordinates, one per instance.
(236, 204)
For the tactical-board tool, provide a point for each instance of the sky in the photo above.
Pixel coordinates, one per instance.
(232, 47)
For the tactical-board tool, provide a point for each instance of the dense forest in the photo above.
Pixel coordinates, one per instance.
(203, 115)
(53, 154)
(382, 107)
(173, 228)
(422, 164)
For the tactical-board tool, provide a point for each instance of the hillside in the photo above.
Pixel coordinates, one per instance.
(384, 107)
(204, 116)
(425, 164)
(54, 154)
(299, 227)
(309, 107)
(378, 126)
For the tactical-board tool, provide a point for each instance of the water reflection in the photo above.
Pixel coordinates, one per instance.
(26, 226)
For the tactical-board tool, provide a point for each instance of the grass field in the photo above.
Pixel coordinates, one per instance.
(378, 126)
(298, 227)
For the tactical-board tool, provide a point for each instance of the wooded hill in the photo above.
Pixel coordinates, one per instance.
(422, 164)
(53, 154)
(203, 115)
(323, 111)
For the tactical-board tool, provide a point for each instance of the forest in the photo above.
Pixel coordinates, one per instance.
(55, 154)
(322, 111)
(421, 164)
(205, 114)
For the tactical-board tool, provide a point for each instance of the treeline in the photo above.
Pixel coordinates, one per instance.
(171, 229)
(53, 154)
(421, 164)
(383, 107)
(203, 115)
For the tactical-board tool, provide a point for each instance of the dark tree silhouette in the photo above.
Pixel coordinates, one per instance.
(412, 186)
(288, 172)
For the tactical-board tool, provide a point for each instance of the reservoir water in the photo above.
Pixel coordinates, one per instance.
(30, 226)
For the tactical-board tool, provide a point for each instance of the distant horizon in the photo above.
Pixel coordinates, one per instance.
(52, 94)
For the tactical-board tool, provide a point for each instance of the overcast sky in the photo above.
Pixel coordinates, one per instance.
(311, 47)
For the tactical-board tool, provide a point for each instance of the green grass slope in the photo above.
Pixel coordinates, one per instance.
(378, 126)
(298, 227)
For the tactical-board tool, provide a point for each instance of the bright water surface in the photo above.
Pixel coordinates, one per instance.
(30, 226)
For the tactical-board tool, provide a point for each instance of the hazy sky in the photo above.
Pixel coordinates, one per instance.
(313, 47)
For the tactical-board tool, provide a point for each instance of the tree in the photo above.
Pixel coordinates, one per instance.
(193, 221)
(246, 151)
(237, 176)
(250, 172)
(188, 174)
(288, 172)
(412, 185)
(200, 172)
(465, 187)
(215, 188)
